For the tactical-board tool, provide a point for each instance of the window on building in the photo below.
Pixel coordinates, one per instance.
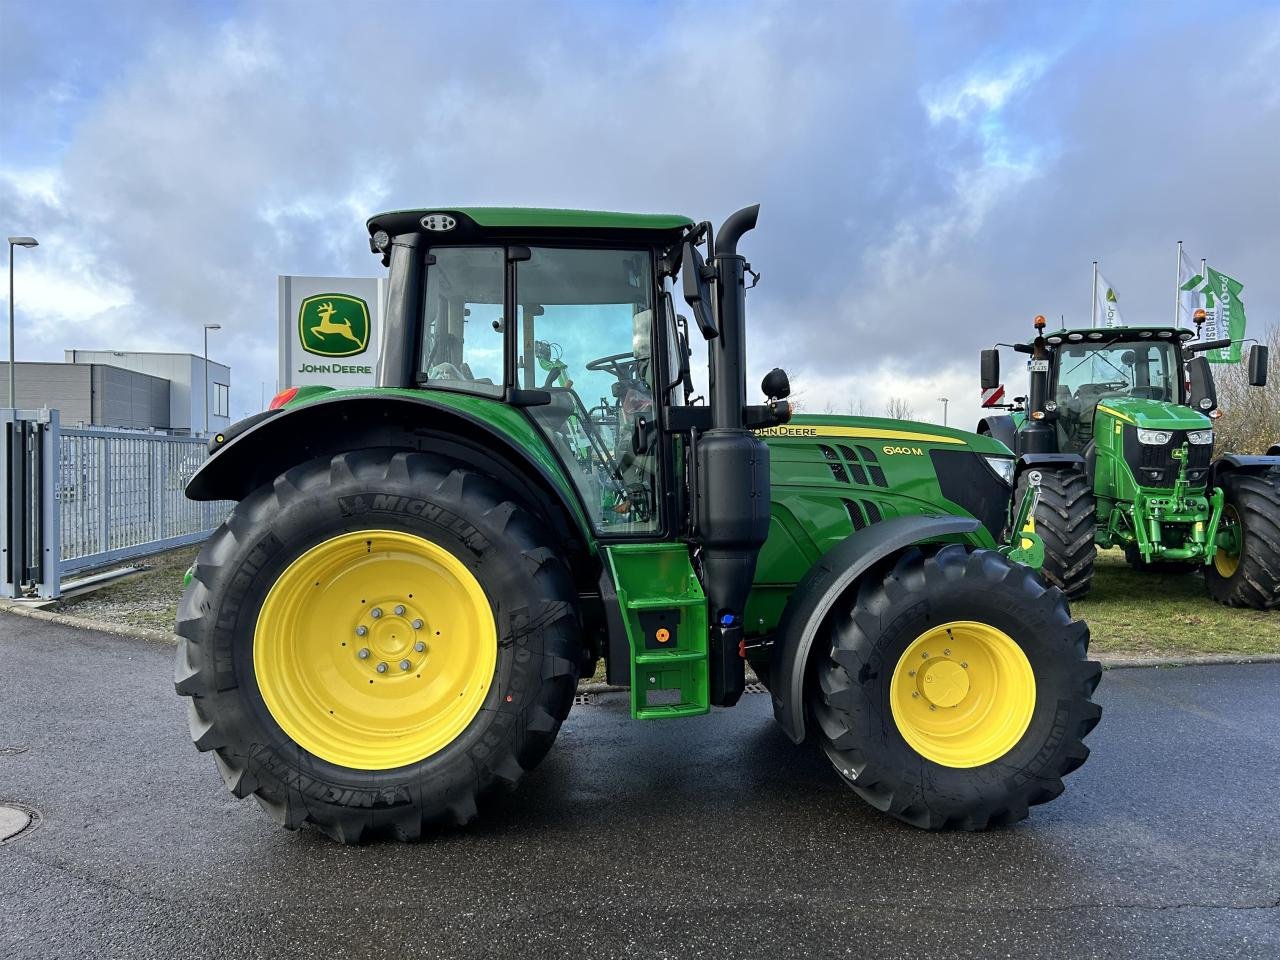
(221, 400)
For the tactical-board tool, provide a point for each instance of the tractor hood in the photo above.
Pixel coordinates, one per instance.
(1153, 414)
(887, 432)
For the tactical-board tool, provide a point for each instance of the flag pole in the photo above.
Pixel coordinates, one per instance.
(1093, 307)
(1177, 287)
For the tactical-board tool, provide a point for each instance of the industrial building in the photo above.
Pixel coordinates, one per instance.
(131, 390)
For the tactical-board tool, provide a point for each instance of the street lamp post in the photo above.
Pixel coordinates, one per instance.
(944, 401)
(13, 382)
(207, 328)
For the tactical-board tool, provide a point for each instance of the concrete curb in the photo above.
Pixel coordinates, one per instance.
(590, 686)
(84, 623)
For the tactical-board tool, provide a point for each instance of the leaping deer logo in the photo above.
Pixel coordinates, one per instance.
(328, 325)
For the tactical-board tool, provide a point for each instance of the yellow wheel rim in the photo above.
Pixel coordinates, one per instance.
(962, 694)
(375, 649)
(1227, 563)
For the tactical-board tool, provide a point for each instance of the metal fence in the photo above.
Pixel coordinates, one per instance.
(102, 496)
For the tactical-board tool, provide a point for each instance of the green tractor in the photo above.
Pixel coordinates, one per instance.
(1131, 409)
(392, 622)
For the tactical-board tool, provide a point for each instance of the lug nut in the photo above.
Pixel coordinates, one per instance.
(946, 653)
(376, 612)
(965, 664)
(382, 668)
(361, 630)
(932, 707)
(419, 646)
(911, 673)
(417, 624)
(399, 609)
(923, 656)
(915, 693)
(363, 653)
(404, 664)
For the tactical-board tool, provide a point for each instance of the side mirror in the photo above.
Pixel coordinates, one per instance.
(776, 384)
(990, 369)
(696, 292)
(1204, 397)
(1258, 365)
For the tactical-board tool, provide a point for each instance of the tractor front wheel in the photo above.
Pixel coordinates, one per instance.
(1065, 518)
(375, 641)
(1249, 575)
(956, 691)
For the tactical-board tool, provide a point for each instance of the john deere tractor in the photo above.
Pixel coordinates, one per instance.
(392, 622)
(1132, 410)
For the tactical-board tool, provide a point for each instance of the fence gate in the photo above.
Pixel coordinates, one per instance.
(29, 522)
(78, 498)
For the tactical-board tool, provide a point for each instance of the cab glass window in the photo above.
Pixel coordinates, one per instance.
(585, 334)
(462, 337)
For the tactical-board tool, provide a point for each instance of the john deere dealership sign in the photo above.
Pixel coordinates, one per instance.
(329, 330)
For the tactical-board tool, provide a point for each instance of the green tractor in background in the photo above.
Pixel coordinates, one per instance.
(1131, 409)
(392, 622)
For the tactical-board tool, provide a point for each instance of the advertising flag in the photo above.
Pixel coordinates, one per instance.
(1108, 306)
(1226, 313)
(1192, 288)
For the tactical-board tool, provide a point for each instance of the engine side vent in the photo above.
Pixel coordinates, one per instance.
(855, 466)
(855, 515)
(834, 462)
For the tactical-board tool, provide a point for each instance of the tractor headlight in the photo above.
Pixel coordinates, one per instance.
(1154, 437)
(1002, 467)
(1200, 437)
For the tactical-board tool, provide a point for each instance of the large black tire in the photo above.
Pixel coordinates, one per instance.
(505, 547)
(867, 636)
(1066, 518)
(1254, 500)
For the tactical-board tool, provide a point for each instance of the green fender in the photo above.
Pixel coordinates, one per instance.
(493, 435)
(816, 594)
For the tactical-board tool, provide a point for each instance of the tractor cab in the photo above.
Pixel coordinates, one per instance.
(564, 316)
(1092, 367)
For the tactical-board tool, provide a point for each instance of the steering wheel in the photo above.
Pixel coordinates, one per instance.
(619, 365)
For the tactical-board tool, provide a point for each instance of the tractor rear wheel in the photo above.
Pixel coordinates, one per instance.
(375, 641)
(956, 691)
(1249, 577)
(1065, 518)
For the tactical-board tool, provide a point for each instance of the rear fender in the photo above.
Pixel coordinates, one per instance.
(836, 573)
(1001, 427)
(250, 457)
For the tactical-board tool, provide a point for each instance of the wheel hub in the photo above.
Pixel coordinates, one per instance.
(962, 694)
(375, 649)
(944, 683)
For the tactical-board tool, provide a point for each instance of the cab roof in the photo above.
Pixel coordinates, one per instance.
(471, 223)
(1109, 334)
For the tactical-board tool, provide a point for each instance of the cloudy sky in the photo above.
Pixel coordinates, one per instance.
(932, 174)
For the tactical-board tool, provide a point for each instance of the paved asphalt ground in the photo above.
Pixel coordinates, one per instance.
(708, 837)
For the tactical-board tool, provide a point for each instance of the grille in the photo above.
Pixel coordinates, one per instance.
(1155, 466)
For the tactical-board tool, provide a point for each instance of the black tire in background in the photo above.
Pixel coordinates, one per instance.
(508, 550)
(1066, 519)
(868, 634)
(1255, 500)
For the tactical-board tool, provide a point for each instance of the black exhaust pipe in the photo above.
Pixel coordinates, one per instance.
(733, 472)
